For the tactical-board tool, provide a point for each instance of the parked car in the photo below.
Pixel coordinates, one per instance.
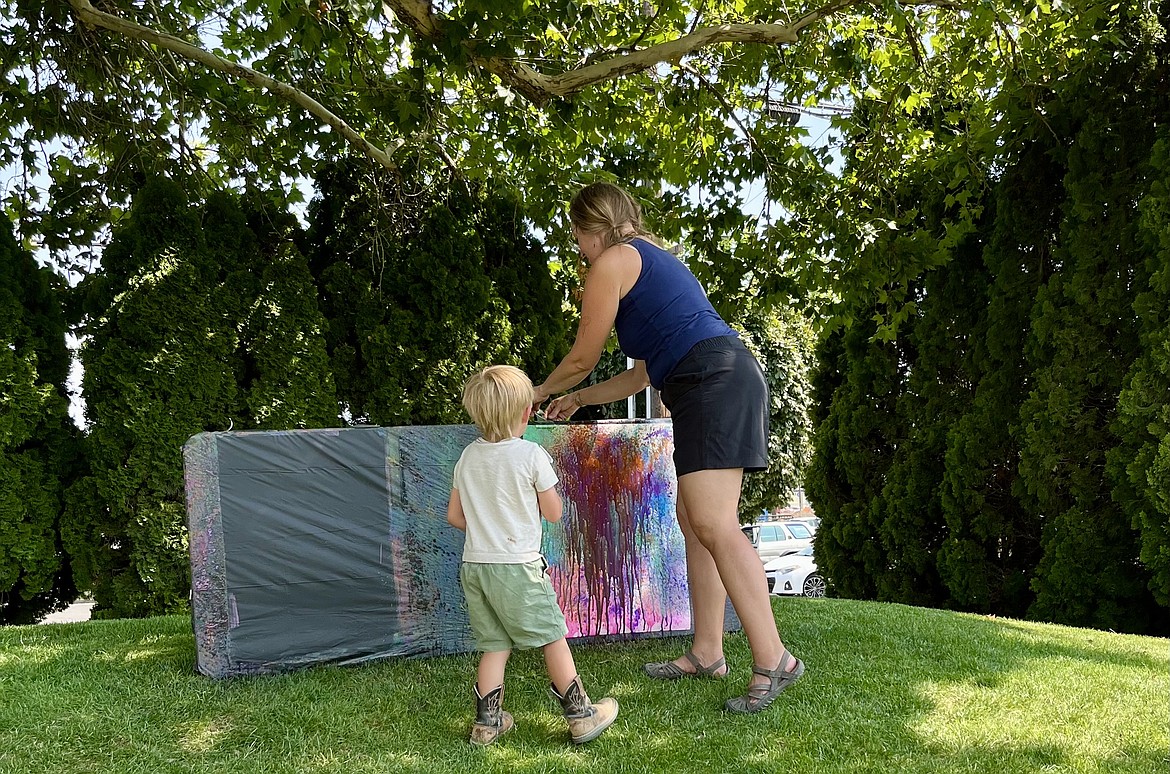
(778, 538)
(795, 574)
(812, 522)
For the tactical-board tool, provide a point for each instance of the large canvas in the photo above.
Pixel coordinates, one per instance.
(318, 546)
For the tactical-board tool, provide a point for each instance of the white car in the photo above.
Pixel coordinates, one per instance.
(795, 574)
(812, 522)
(778, 538)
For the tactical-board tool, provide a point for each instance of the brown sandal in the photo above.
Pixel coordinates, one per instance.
(668, 670)
(758, 697)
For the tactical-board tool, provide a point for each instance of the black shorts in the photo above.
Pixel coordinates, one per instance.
(718, 401)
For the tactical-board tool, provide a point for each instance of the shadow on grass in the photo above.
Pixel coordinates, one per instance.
(888, 688)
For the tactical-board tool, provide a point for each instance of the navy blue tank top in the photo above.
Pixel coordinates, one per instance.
(665, 313)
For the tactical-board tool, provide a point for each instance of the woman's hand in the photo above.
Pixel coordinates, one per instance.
(539, 396)
(564, 406)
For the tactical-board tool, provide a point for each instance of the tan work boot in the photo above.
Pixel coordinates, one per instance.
(491, 721)
(586, 720)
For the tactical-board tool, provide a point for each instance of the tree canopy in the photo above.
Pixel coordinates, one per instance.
(690, 102)
(965, 194)
(38, 443)
(1002, 449)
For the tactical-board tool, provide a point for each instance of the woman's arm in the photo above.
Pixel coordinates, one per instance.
(599, 303)
(623, 385)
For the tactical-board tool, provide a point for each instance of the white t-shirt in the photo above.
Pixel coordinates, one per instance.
(497, 485)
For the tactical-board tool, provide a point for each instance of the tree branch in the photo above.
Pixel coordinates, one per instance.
(753, 142)
(539, 88)
(95, 18)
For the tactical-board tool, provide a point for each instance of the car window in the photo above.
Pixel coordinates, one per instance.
(799, 531)
(769, 534)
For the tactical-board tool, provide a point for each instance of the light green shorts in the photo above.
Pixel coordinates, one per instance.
(511, 606)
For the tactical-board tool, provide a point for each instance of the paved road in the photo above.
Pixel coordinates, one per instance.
(78, 611)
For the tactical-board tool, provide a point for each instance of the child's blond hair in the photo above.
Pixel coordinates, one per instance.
(497, 398)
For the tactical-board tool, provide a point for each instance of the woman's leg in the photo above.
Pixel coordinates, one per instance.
(710, 499)
(708, 598)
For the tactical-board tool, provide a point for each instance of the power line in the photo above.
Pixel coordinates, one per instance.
(790, 112)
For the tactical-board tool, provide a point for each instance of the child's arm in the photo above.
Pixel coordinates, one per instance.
(455, 516)
(551, 507)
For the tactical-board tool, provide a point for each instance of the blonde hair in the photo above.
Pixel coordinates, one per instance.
(606, 209)
(496, 399)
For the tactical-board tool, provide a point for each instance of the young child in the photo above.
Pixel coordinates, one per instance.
(503, 485)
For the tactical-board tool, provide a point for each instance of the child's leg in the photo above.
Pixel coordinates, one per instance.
(586, 719)
(491, 721)
(558, 659)
(491, 670)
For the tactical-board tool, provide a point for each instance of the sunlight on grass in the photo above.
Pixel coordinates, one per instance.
(31, 648)
(889, 688)
(549, 760)
(1074, 710)
(140, 655)
(409, 761)
(202, 736)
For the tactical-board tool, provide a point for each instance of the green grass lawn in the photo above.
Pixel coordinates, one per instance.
(888, 689)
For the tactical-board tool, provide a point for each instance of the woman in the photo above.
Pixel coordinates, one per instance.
(718, 401)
